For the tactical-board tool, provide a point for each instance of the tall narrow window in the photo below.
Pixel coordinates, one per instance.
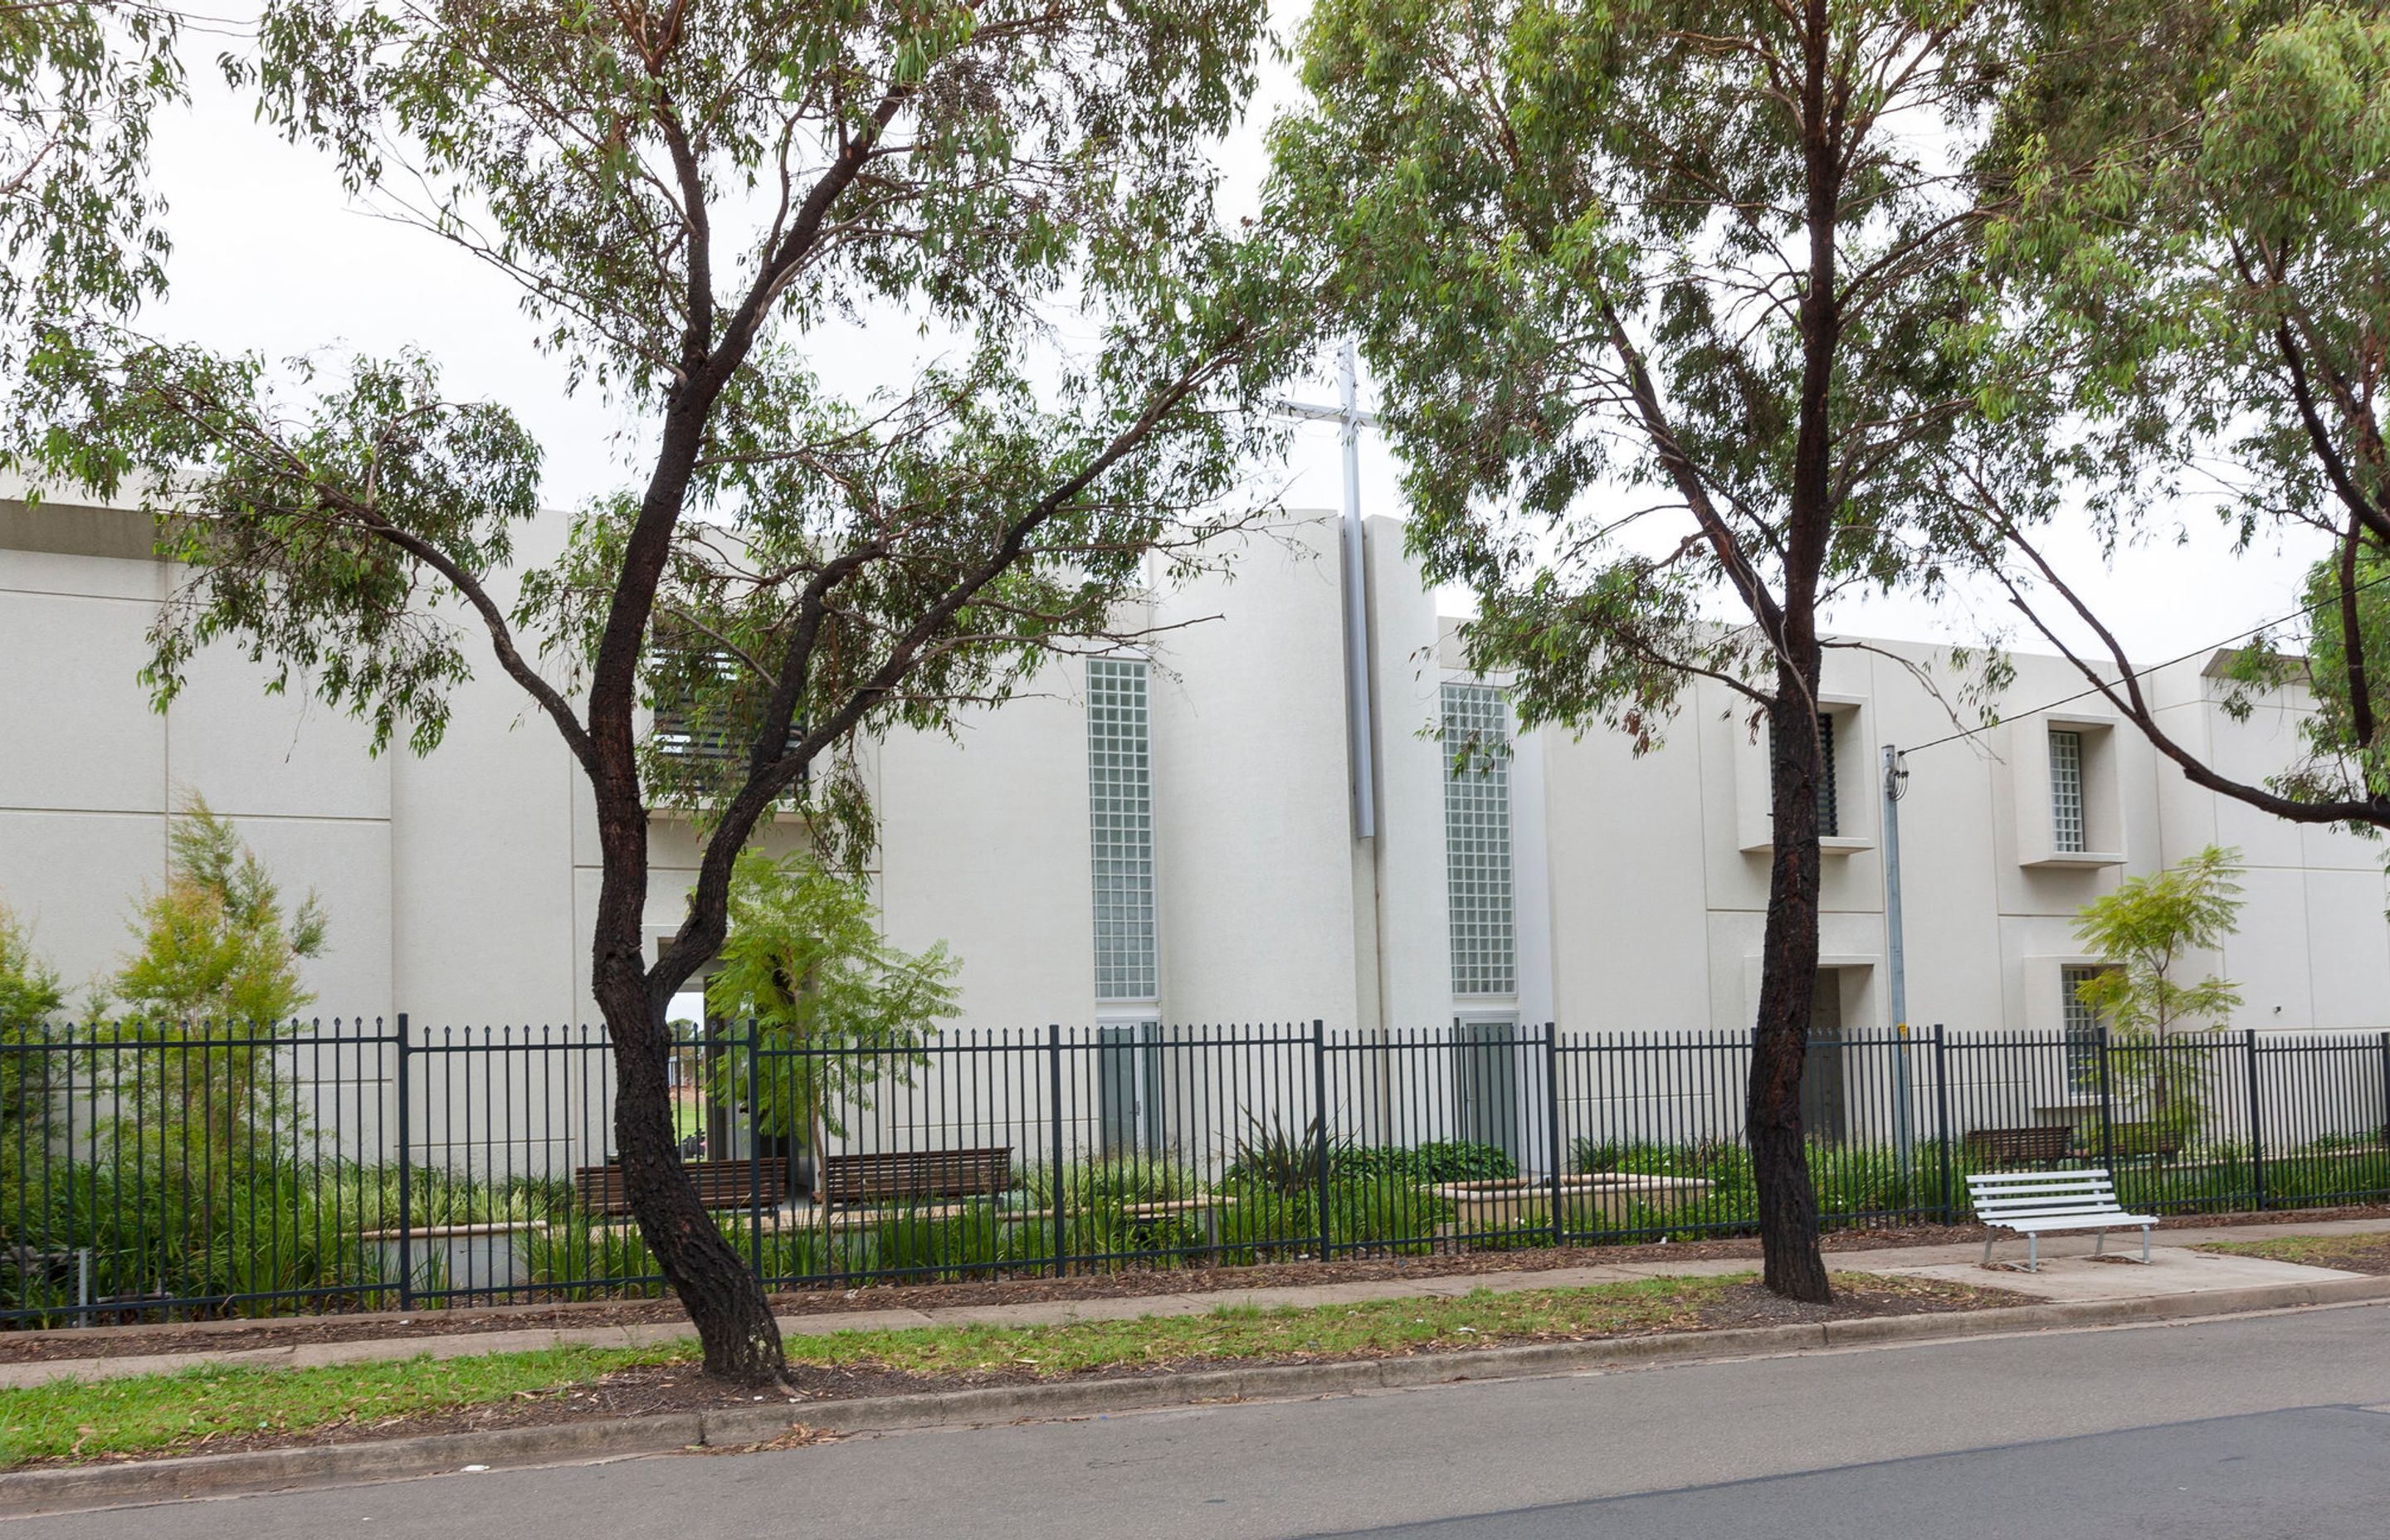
(1829, 802)
(1477, 839)
(2082, 1026)
(2066, 831)
(1119, 828)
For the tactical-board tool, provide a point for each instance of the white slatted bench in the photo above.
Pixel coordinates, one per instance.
(2032, 1201)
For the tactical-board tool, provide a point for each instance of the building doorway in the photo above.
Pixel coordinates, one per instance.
(1825, 1104)
(1485, 1081)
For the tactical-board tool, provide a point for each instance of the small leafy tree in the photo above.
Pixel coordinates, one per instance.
(216, 974)
(2147, 930)
(216, 946)
(29, 991)
(29, 996)
(806, 965)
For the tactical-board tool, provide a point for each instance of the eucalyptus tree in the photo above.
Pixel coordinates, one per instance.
(712, 207)
(2191, 302)
(79, 216)
(1651, 288)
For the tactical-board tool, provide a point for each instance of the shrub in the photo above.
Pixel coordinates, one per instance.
(1439, 1161)
(1283, 1160)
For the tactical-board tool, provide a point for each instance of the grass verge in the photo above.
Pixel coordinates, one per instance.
(2351, 1253)
(208, 1409)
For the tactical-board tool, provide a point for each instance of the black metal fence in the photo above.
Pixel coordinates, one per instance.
(151, 1173)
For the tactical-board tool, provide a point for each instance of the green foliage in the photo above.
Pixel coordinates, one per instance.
(79, 222)
(2185, 293)
(30, 992)
(807, 965)
(1438, 1161)
(697, 207)
(2146, 929)
(29, 996)
(1570, 238)
(2347, 672)
(1283, 1159)
(217, 976)
(269, 1218)
(215, 945)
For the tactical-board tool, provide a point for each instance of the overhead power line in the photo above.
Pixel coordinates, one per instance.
(2260, 629)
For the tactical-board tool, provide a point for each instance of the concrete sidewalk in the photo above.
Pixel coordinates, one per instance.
(2068, 1273)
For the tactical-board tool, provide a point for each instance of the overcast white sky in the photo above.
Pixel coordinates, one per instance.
(269, 255)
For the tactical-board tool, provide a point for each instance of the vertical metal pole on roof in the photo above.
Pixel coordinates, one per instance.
(1896, 781)
(1356, 604)
(1350, 419)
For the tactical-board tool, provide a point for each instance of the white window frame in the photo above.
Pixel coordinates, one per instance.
(2042, 831)
(1852, 774)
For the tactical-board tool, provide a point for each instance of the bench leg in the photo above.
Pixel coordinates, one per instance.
(2033, 1252)
(2145, 1245)
(1988, 1249)
(2101, 1244)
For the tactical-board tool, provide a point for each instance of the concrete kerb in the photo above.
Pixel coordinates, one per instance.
(62, 1489)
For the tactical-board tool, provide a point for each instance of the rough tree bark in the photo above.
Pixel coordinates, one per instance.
(1792, 1265)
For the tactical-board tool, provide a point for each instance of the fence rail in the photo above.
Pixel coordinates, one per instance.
(156, 1173)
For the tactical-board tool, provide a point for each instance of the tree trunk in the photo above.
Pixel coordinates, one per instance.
(724, 1300)
(1795, 1264)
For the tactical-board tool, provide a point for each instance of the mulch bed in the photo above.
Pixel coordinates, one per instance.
(659, 1388)
(232, 1336)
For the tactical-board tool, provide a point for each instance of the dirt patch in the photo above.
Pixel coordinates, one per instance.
(662, 1388)
(233, 1336)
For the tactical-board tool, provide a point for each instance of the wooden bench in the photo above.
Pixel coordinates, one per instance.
(2038, 1146)
(720, 1185)
(2031, 1202)
(905, 1175)
(2143, 1141)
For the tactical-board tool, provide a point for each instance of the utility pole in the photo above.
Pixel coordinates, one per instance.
(1896, 783)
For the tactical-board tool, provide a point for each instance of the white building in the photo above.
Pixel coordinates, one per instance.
(1198, 837)
(1216, 780)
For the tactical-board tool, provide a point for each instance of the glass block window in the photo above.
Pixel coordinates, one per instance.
(1120, 828)
(2066, 831)
(1477, 841)
(2082, 1026)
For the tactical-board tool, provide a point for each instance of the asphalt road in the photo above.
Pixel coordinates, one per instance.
(2247, 1428)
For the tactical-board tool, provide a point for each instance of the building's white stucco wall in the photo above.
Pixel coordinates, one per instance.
(461, 885)
(1252, 796)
